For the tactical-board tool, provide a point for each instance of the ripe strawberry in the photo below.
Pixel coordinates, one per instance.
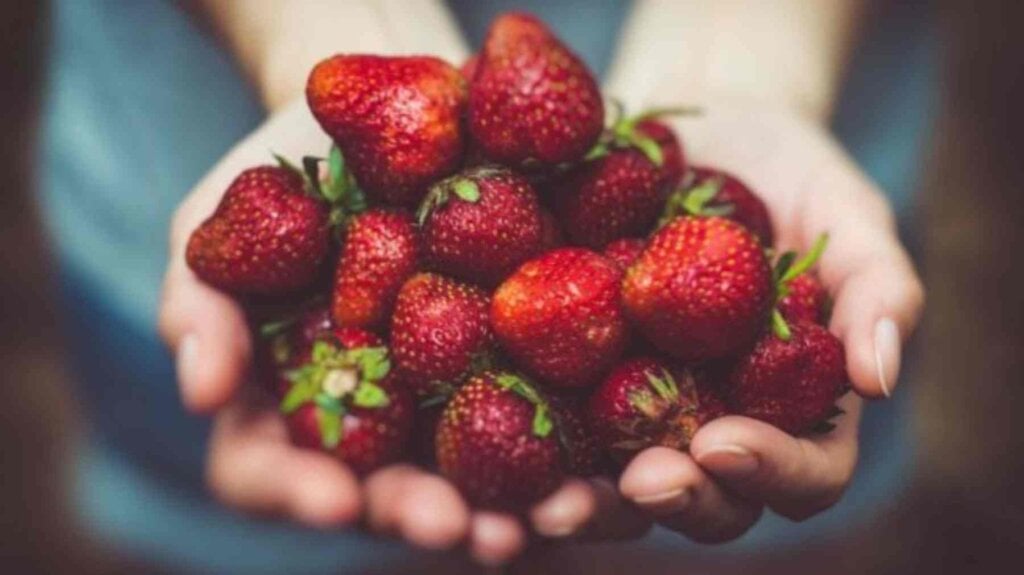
(792, 384)
(439, 329)
(643, 403)
(532, 101)
(621, 190)
(805, 301)
(711, 192)
(396, 118)
(480, 225)
(582, 454)
(269, 235)
(559, 317)
(498, 444)
(380, 251)
(701, 289)
(624, 251)
(348, 403)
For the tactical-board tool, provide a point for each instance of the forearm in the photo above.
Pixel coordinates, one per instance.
(277, 42)
(787, 53)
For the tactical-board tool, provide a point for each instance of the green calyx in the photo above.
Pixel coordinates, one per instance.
(463, 186)
(336, 381)
(337, 188)
(622, 133)
(695, 199)
(787, 268)
(543, 423)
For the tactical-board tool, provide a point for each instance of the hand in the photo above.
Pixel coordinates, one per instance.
(251, 463)
(737, 465)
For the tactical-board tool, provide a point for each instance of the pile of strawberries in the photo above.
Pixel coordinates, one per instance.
(484, 276)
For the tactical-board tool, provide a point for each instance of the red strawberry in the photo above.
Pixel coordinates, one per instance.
(625, 251)
(702, 289)
(439, 329)
(380, 251)
(481, 224)
(805, 301)
(559, 317)
(269, 235)
(396, 118)
(792, 384)
(468, 68)
(532, 101)
(551, 233)
(582, 454)
(621, 190)
(711, 192)
(498, 444)
(348, 403)
(643, 403)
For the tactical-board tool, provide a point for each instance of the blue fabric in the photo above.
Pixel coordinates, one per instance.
(140, 103)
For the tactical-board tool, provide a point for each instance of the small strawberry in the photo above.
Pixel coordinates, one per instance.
(396, 118)
(559, 317)
(791, 383)
(498, 444)
(480, 225)
(620, 191)
(701, 289)
(380, 250)
(643, 403)
(348, 403)
(711, 192)
(439, 329)
(798, 295)
(624, 251)
(806, 300)
(532, 101)
(269, 235)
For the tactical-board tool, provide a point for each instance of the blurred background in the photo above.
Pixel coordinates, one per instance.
(956, 181)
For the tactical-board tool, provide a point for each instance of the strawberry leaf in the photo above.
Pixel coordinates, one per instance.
(328, 402)
(305, 387)
(780, 327)
(648, 147)
(373, 362)
(323, 351)
(466, 190)
(370, 395)
(542, 423)
(329, 423)
(696, 199)
(783, 265)
(805, 263)
(665, 385)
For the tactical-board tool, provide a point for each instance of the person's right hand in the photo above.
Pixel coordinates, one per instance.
(252, 465)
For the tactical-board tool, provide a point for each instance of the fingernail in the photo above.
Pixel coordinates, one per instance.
(188, 364)
(887, 354)
(672, 501)
(729, 460)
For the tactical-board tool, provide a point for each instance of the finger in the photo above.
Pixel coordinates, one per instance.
(878, 297)
(420, 507)
(495, 538)
(615, 517)
(796, 477)
(252, 466)
(565, 511)
(668, 484)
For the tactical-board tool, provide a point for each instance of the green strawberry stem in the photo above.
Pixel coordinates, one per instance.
(542, 422)
(786, 269)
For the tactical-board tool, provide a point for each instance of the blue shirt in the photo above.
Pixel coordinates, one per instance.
(140, 103)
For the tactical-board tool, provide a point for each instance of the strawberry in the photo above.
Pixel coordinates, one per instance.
(468, 68)
(624, 251)
(792, 384)
(380, 251)
(439, 329)
(806, 300)
(480, 225)
(701, 289)
(347, 402)
(643, 402)
(559, 317)
(269, 235)
(711, 192)
(498, 444)
(396, 118)
(532, 102)
(620, 191)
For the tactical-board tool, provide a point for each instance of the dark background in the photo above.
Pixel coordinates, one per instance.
(966, 511)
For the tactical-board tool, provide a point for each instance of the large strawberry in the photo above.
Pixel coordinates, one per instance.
(380, 251)
(396, 118)
(643, 402)
(269, 235)
(620, 191)
(481, 224)
(347, 402)
(498, 444)
(711, 192)
(439, 330)
(532, 101)
(701, 289)
(792, 383)
(559, 317)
